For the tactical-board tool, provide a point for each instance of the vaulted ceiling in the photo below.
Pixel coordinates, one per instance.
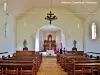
(18, 7)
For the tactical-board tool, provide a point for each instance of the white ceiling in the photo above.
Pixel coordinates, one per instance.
(81, 10)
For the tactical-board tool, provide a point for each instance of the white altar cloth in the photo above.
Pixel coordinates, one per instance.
(50, 53)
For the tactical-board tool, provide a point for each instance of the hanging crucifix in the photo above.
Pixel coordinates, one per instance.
(50, 16)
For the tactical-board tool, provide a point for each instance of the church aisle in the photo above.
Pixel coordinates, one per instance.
(50, 67)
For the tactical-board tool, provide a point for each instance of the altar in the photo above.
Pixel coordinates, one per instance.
(49, 44)
(50, 53)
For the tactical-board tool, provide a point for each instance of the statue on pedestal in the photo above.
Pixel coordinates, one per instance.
(74, 43)
(25, 45)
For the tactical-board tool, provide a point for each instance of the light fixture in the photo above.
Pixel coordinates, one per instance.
(68, 33)
(5, 5)
(25, 24)
(78, 25)
(4, 9)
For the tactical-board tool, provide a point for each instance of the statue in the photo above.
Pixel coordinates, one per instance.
(74, 47)
(25, 45)
(74, 43)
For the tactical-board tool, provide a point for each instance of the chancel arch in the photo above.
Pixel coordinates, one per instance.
(43, 33)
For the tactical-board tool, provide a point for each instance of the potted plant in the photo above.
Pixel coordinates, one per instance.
(25, 45)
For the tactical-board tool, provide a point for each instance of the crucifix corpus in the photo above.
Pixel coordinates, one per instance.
(50, 17)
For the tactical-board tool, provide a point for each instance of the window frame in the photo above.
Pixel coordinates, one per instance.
(93, 30)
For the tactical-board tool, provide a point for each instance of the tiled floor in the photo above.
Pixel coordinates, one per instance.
(50, 67)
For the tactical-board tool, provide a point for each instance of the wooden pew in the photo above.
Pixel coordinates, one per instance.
(11, 71)
(79, 61)
(71, 53)
(15, 61)
(30, 60)
(27, 72)
(86, 68)
(36, 58)
(25, 66)
(25, 57)
(82, 68)
(24, 60)
(76, 52)
(64, 60)
(25, 53)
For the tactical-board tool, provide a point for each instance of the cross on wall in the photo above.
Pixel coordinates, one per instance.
(50, 16)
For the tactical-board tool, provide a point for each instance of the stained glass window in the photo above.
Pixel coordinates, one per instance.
(93, 28)
(6, 30)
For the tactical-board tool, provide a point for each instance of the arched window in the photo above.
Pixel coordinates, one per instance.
(6, 30)
(93, 28)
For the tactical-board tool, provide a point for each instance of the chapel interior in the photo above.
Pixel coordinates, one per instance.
(49, 37)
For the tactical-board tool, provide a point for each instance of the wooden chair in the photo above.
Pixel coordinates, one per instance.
(12, 71)
(27, 72)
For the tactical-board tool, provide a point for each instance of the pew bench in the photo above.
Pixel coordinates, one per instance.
(64, 59)
(18, 68)
(84, 68)
(21, 63)
(11, 71)
(27, 72)
(37, 59)
(67, 63)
